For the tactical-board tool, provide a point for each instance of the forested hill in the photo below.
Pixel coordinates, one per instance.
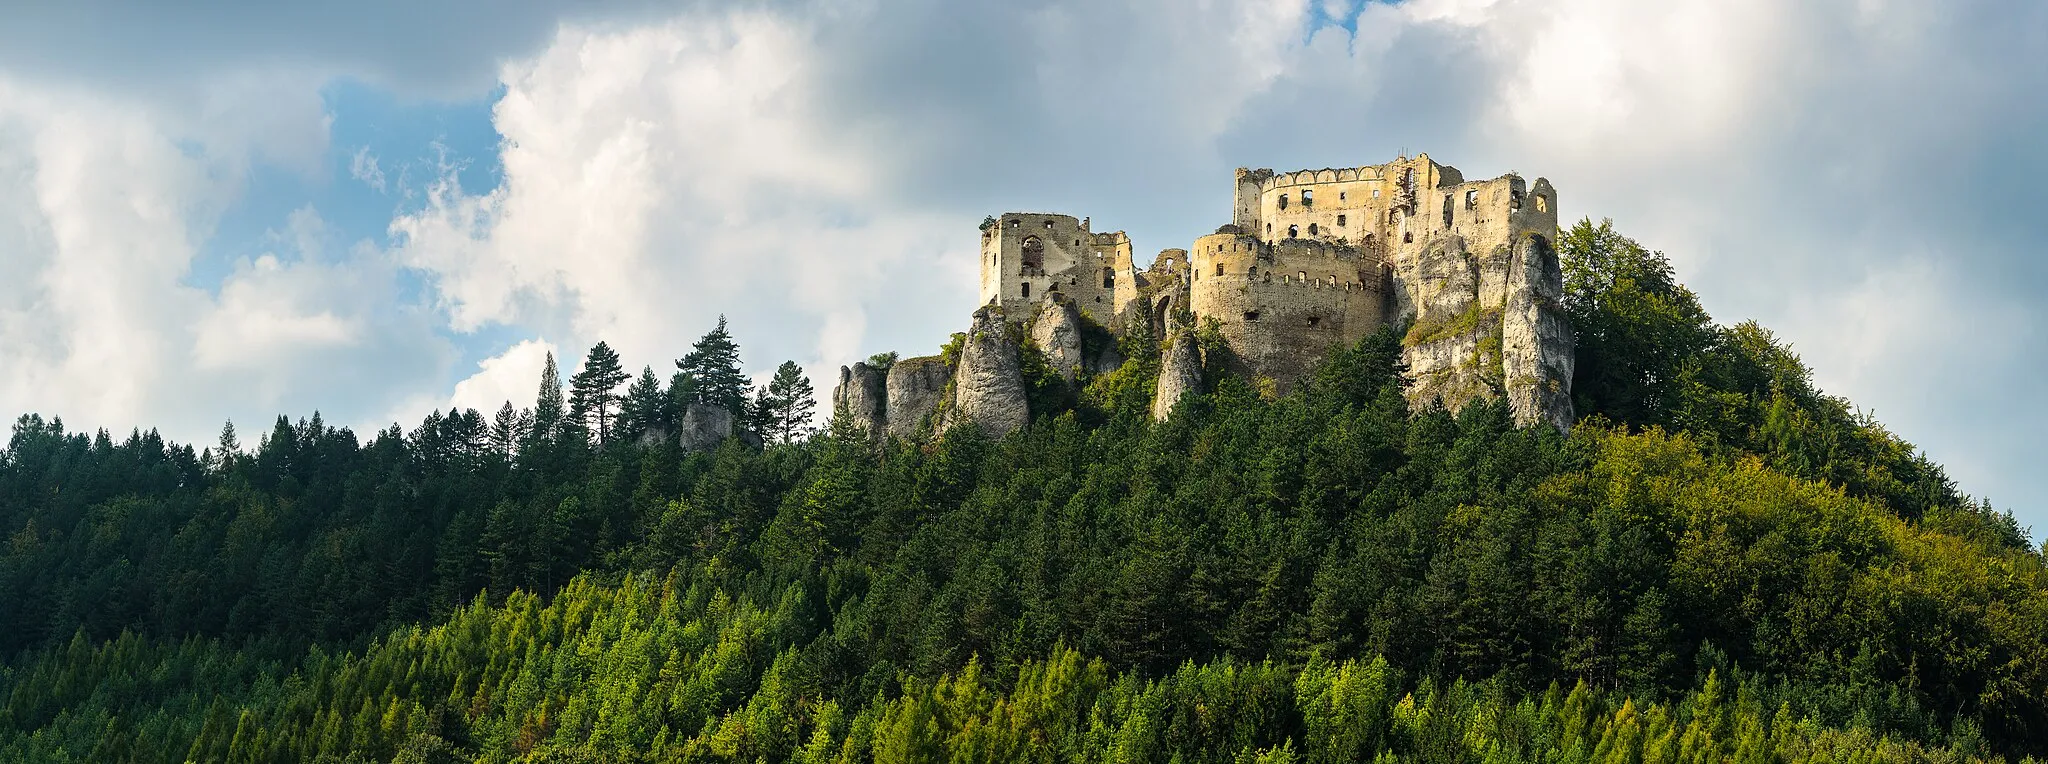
(1720, 563)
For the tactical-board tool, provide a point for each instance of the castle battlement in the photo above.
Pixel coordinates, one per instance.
(1318, 258)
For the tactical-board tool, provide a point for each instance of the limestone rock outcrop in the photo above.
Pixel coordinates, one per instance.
(704, 427)
(1488, 324)
(915, 386)
(1057, 332)
(862, 397)
(1537, 347)
(1180, 372)
(988, 387)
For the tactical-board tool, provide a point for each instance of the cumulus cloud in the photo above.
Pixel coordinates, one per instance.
(658, 177)
(1857, 174)
(509, 377)
(107, 205)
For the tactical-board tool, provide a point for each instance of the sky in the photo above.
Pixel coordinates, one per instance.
(231, 210)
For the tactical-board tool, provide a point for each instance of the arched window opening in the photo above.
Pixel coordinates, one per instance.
(1108, 278)
(1303, 276)
(1333, 279)
(1514, 198)
(1293, 231)
(1472, 199)
(1311, 229)
(1269, 229)
(1252, 271)
(1368, 240)
(1308, 198)
(1034, 252)
(1542, 203)
(1375, 193)
(1283, 201)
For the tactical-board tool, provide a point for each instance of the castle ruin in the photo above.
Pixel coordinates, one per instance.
(1313, 260)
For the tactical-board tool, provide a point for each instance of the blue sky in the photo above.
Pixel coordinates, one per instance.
(231, 210)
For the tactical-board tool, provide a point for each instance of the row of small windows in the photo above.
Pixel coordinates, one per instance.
(1471, 201)
(1308, 197)
(1108, 282)
(1252, 316)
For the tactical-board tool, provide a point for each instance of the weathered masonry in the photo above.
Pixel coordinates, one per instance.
(1310, 260)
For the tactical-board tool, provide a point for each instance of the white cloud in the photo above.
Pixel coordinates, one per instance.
(108, 202)
(509, 377)
(1854, 173)
(658, 177)
(363, 166)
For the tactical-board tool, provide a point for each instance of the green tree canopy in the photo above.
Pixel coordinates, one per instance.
(711, 372)
(593, 397)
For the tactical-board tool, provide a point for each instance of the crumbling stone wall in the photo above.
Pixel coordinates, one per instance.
(1028, 256)
(1311, 260)
(1282, 306)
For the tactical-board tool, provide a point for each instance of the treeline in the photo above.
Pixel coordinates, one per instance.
(314, 535)
(1324, 576)
(647, 671)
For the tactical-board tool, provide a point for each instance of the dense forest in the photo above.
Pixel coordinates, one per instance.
(1719, 563)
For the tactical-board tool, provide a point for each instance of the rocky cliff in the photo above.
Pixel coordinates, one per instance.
(1537, 347)
(988, 387)
(1487, 324)
(1180, 372)
(1057, 332)
(862, 396)
(916, 387)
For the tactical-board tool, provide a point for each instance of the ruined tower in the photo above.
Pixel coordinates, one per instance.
(1027, 256)
(1472, 263)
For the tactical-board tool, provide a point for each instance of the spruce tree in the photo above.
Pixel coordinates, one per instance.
(591, 391)
(508, 428)
(712, 370)
(644, 407)
(786, 405)
(547, 404)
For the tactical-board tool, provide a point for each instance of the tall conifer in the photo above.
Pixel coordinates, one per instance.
(712, 369)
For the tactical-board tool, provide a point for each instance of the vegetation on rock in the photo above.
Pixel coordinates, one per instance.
(1720, 563)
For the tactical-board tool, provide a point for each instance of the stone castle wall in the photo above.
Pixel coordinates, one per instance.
(1282, 306)
(1312, 260)
(1026, 256)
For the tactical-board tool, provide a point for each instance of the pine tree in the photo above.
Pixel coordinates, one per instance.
(508, 428)
(644, 408)
(547, 405)
(784, 408)
(712, 370)
(230, 447)
(591, 391)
